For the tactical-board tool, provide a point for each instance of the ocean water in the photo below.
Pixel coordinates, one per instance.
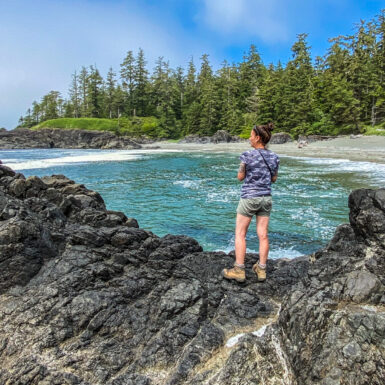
(196, 193)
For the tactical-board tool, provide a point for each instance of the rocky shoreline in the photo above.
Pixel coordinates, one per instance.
(57, 138)
(88, 297)
(88, 139)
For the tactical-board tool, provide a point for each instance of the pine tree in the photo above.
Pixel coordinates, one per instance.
(207, 98)
(227, 87)
(50, 105)
(83, 88)
(110, 93)
(298, 89)
(336, 91)
(251, 74)
(378, 102)
(75, 95)
(141, 85)
(127, 74)
(162, 92)
(118, 102)
(178, 92)
(191, 108)
(94, 93)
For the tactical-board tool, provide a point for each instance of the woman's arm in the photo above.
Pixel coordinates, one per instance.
(241, 171)
(274, 178)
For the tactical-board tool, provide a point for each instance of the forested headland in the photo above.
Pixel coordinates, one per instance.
(341, 92)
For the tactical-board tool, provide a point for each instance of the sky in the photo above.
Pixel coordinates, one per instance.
(42, 42)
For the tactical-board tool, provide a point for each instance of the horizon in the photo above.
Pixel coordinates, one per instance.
(88, 32)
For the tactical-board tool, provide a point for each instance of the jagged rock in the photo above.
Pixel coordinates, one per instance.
(88, 297)
(60, 138)
(222, 136)
(280, 138)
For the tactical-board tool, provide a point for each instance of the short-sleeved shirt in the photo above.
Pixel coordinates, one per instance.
(257, 181)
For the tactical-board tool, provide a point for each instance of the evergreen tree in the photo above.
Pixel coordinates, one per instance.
(36, 112)
(178, 92)
(298, 88)
(191, 108)
(207, 98)
(378, 102)
(251, 74)
(141, 85)
(110, 93)
(94, 93)
(338, 93)
(162, 93)
(127, 74)
(118, 102)
(83, 88)
(227, 91)
(75, 95)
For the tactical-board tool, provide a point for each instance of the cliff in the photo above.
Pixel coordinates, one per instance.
(88, 297)
(60, 138)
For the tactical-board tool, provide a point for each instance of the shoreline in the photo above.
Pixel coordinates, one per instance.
(364, 149)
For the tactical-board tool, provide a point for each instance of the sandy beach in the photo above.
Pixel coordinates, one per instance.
(365, 148)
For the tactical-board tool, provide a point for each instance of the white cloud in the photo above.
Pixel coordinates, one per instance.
(263, 19)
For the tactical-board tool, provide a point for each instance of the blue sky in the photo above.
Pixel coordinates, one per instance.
(42, 42)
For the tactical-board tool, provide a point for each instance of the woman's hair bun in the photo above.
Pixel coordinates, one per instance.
(270, 126)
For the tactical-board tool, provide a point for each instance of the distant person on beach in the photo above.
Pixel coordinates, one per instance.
(258, 169)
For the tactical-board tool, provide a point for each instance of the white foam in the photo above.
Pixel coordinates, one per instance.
(345, 165)
(191, 184)
(225, 196)
(289, 253)
(67, 160)
(277, 253)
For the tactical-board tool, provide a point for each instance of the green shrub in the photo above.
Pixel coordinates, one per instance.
(137, 126)
(376, 130)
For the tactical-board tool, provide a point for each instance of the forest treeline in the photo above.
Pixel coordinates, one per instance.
(341, 92)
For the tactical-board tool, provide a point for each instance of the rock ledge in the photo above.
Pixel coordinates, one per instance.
(88, 297)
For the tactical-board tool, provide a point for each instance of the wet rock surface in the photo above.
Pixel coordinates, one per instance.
(59, 138)
(88, 297)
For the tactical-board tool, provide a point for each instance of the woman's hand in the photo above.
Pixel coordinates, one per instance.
(241, 172)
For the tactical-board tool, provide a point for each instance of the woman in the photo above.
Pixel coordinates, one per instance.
(258, 169)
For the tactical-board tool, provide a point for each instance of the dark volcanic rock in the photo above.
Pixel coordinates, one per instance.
(280, 138)
(87, 297)
(59, 138)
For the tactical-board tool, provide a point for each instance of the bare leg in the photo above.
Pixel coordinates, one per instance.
(242, 224)
(262, 232)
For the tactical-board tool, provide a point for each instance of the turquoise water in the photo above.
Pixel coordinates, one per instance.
(196, 193)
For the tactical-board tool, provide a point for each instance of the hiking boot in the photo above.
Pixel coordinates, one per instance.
(261, 273)
(236, 273)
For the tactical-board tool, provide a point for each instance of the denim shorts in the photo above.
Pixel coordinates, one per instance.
(259, 206)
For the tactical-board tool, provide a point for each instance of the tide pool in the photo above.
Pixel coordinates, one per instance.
(196, 193)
